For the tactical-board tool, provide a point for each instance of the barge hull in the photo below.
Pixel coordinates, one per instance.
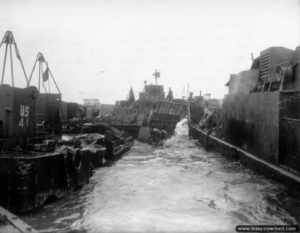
(31, 180)
(249, 160)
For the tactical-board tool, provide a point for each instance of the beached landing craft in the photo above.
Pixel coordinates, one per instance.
(32, 169)
(152, 118)
(259, 121)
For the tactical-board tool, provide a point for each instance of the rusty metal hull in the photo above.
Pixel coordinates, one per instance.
(28, 181)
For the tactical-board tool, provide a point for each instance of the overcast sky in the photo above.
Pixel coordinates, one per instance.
(98, 49)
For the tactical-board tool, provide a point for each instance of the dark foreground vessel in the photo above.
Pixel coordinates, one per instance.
(259, 121)
(32, 170)
(36, 164)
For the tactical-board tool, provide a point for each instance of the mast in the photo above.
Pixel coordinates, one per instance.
(156, 75)
(10, 42)
(43, 75)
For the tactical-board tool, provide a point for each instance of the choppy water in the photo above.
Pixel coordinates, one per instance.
(176, 188)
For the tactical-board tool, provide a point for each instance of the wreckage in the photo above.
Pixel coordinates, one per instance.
(258, 121)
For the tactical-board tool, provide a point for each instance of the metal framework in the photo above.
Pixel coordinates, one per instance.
(40, 59)
(9, 41)
(275, 81)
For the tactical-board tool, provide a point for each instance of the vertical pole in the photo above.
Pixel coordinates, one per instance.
(11, 67)
(32, 70)
(24, 73)
(42, 78)
(7, 111)
(20, 59)
(4, 63)
(282, 79)
(53, 79)
(48, 83)
(39, 76)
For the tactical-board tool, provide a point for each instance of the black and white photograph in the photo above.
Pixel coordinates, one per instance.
(139, 116)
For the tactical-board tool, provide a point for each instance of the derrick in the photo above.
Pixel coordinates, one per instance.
(44, 74)
(9, 42)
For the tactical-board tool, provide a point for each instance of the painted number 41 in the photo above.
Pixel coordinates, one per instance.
(24, 114)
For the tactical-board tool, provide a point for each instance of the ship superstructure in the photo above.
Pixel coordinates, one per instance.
(259, 117)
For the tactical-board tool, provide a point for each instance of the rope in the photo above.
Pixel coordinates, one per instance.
(20, 59)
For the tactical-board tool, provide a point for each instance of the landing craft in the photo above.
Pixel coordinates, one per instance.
(36, 164)
(152, 118)
(259, 120)
(33, 166)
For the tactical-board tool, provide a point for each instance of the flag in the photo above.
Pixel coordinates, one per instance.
(156, 74)
(46, 75)
(17, 53)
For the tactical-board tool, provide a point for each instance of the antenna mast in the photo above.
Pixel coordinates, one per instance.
(156, 75)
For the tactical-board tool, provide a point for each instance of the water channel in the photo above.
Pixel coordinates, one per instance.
(178, 187)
